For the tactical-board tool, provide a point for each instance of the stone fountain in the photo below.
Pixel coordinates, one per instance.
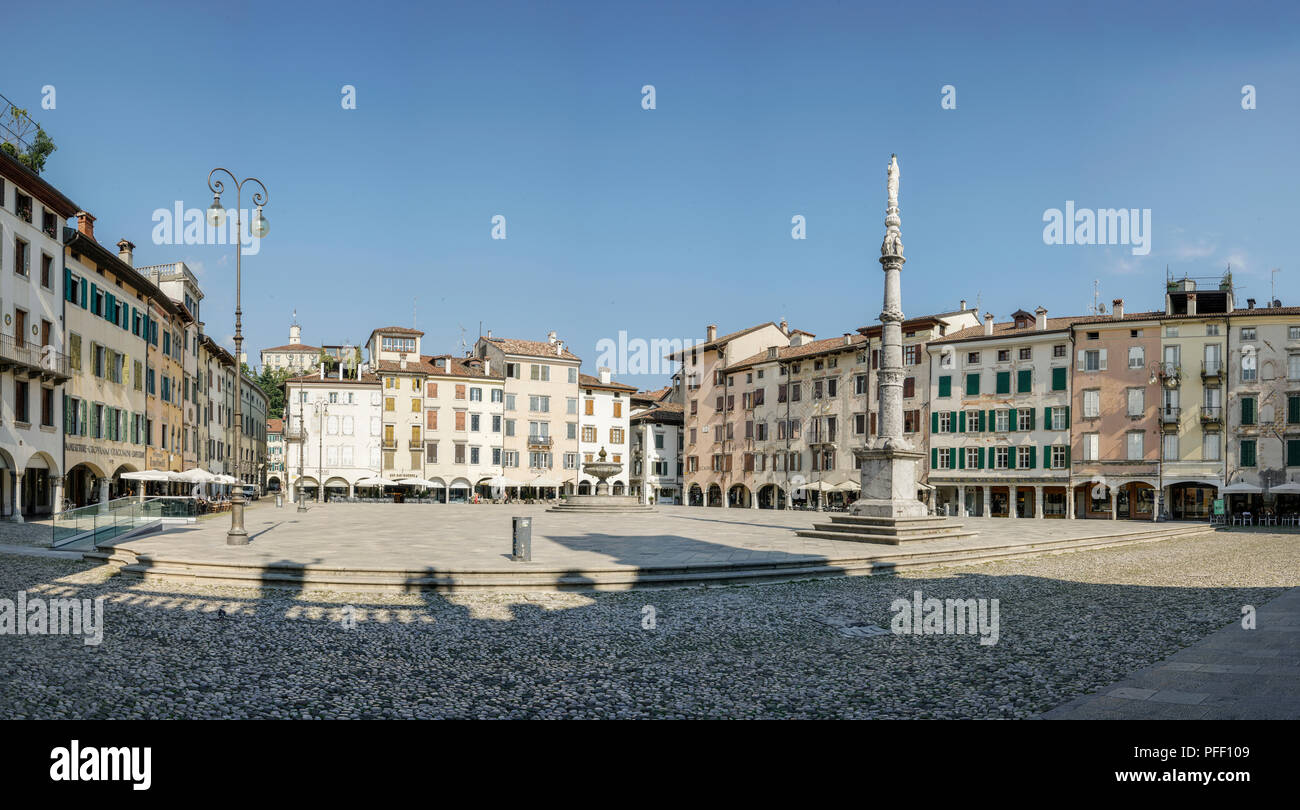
(602, 502)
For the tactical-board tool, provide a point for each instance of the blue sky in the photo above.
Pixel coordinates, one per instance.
(661, 221)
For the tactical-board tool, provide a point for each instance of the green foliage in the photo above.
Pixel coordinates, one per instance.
(42, 146)
(271, 381)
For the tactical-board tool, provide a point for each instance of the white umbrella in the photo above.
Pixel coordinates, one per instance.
(1241, 488)
(544, 480)
(415, 482)
(816, 486)
(1289, 488)
(224, 479)
(848, 486)
(196, 476)
(376, 481)
(505, 481)
(148, 475)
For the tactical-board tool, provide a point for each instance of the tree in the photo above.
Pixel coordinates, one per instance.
(30, 149)
(271, 381)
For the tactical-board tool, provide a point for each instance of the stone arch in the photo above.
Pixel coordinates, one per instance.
(714, 496)
(739, 495)
(695, 495)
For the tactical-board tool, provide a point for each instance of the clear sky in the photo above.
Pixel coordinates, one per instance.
(661, 221)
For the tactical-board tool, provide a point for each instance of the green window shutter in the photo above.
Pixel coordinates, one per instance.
(1011, 458)
(1004, 382)
(961, 422)
(1033, 459)
(1047, 457)
(1058, 378)
(94, 290)
(67, 284)
(1067, 455)
(1047, 418)
(1025, 381)
(981, 458)
(1067, 417)
(1011, 419)
(1032, 414)
(1248, 452)
(1293, 453)
(973, 385)
(934, 458)
(952, 421)
(961, 458)
(83, 293)
(1248, 411)
(934, 421)
(1293, 409)
(945, 385)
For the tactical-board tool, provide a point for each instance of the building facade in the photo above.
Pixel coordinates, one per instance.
(605, 409)
(655, 427)
(465, 427)
(332, 433)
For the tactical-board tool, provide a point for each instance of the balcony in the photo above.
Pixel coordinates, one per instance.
(1172, 374)
(1169, 417)
(1212, 415)
(388, 444)
(1212, 372)
(32, 360)
(295, 434)
(539, 442)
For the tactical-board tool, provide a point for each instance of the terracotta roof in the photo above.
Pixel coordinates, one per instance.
(912, 323)
(657, 395)
(588, 381)
(531, 348)
(33, 184)
(275, 425)
(816, 347)
(421, 366)
(718, 341)
(668, 413)
(1007, 329)
(398, 330)
(460, 367)
(294, 347)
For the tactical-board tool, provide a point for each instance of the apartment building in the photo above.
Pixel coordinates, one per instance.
(218, 368)
(180, 284)
(1116, 400)
(604, 413)
(655, 426)
(710, 408)
(395, 358)
(541, 392)
(104, 403)
(1263, 411)
(332, 432)
(1000, 418)
(33, 359)
(1193, 346)
(275, 455)
(466, 427)
(252, 468)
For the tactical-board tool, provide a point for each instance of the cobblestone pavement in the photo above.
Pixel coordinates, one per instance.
(1069, 625)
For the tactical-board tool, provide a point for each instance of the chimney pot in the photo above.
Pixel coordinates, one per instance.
(963, 305)
(1117, 308)
(86, 223)
(550, 337)
(1250, 303)
(785, 327)
(1040, 319)
(604, 374)
(988, 323)
(712, 331)
(126, 252)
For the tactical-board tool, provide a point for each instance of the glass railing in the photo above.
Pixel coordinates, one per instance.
(103, 521)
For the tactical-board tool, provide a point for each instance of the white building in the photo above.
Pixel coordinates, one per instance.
(33, 362)
(604, 412)
(464, 426)
(294, 355)
(332, 432)
(656, 446)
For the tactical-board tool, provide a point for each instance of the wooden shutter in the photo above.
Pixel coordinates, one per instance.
(1011, 421)
(934, 421)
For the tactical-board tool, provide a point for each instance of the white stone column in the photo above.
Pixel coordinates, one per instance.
(352, 490)
(1038, 501)
(103, 494)
(961, 500)
(647, 446)
(56, 486)
(1114, 504)
(988, 501)
(18, 497)
(1011, 501)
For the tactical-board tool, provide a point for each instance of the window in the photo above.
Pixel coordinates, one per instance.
(1134, 441)
(943, 458)
(1247, 449)
(1293, 333)
(911, 355)
(540, 372)
(1293, 367)
(973, 384)
(1059, 456)
(1059, 350)
(1060, 418)
(1137, 357)
(973, 459)
(1002, 422)
(1247, 333)
(1211, 448)
(1092, 360)
(1247, 410)
(1248, 369)
(1003, 382)
(1170, 447)
(1092, 403)
(945, 422)
(1091, 446)
(1001, 457)
(1025, 419)
(1026, 353)
(1136, 402)
(1025, 457)
(1211, 329)
(1059, 378)
(972, 358)
(1024, 381)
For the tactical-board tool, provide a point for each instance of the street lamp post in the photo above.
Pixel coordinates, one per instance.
(302, 452)
(322, 409)
(238, 535)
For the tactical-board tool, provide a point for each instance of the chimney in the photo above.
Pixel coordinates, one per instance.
(785, 328)
(489, 334)
(403, 361)
(86, 223)
(559, 348)
(1191, 303)
(1040, 319)
(126, 252)
(550, 337)
(604, 373)
(712, 332)
(988, 323)
(487, 367)
(1117, 309)
(1250, 303)
(848, 338)
(963, 305)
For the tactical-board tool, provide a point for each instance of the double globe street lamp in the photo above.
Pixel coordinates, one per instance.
(238, 535)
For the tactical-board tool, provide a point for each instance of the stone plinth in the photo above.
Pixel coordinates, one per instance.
(889, 482)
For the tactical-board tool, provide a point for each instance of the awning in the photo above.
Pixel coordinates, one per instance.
(1241, 488)
(1289, 488)
(919, 485)
(376, 481)
(418, 482)
(149, 475)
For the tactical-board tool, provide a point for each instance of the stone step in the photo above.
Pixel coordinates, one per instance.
(885, 539)
(897, 530)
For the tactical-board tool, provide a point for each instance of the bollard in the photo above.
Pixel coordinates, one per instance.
(523, 539)
(279, 501)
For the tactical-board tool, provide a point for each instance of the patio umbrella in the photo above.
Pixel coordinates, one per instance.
(1242, 488)
(224, 479)
(1289, 488)
(415, 482)
(544, 480)
(148, 475)
(196, 476)
(848, 486)
(377, 481)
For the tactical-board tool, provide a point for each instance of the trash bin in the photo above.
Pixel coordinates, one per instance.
(523, 538)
